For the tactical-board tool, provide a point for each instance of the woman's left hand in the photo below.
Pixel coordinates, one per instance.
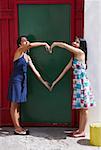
(47, 46)
(53, 84)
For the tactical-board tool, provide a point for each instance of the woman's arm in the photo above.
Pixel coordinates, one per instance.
(37, 73)
(68, 47)
(68, 66)
(29, 45)
(36, 44)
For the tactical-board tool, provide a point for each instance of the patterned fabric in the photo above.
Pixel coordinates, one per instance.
(82, 91)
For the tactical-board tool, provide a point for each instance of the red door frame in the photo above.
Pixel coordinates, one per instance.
(9, 11)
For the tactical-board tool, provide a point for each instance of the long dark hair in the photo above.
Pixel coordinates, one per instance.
(83, 47)
(19, 39)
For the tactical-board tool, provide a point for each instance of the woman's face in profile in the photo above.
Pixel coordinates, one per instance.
(24, 41)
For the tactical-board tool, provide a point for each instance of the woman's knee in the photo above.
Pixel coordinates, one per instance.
(14, 105)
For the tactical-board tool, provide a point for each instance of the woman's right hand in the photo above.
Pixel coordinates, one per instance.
(47, 85)
(52, 46)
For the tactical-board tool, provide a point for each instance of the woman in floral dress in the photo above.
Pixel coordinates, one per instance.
(82, 92)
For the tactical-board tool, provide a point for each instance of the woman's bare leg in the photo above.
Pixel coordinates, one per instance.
(80, 120)
(84, 119)
(14, 111)
(82, 123)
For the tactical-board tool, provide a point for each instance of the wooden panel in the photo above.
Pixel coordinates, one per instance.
(8, 22)
(6, 34)
(3, 4)
(0, 73)
(42, 21)
(12, 42)
(11, 4)
(5, 60)
(6, 14)
(0, 58)
(79, 18)
(44, 1)
(79, 4)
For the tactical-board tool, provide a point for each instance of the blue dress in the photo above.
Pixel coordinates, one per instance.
(17, 90)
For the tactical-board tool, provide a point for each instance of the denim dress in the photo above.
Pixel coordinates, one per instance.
(17, 90)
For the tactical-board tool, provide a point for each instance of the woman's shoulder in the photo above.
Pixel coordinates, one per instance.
(17, 54)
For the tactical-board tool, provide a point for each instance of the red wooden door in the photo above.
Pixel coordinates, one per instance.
(8, 36)
(7, 47)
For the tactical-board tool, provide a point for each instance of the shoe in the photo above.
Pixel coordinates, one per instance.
(27, 131)
(68, 132)
(21, 132)
(77, 135)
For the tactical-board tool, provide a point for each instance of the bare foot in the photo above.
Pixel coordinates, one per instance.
(76, 132)
(19, 129)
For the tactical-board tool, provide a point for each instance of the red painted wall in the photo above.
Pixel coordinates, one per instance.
(8, 36)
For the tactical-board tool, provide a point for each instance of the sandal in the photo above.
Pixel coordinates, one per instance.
(21, 132)
(78, 135)
(27, 131)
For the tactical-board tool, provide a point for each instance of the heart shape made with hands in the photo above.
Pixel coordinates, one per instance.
(49, 48)
(51, 63)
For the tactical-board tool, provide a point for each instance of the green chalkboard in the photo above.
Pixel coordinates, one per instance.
(47, 23)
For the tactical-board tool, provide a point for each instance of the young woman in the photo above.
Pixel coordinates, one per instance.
(17, 90)
(82, 93)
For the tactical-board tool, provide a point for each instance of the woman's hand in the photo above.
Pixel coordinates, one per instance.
(47, 85)
(25, 46)
(47, 46)
(53, 45)
(53, 84)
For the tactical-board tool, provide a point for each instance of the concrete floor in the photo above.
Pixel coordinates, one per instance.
(43, 138)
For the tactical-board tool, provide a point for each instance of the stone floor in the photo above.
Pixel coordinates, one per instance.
(43, 138)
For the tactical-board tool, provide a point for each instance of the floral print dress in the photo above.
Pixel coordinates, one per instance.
(82, 92)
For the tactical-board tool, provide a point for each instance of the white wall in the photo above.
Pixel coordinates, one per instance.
(92, 33)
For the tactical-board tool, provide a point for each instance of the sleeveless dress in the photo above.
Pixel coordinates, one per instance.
(17, 90)
(82, 92)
